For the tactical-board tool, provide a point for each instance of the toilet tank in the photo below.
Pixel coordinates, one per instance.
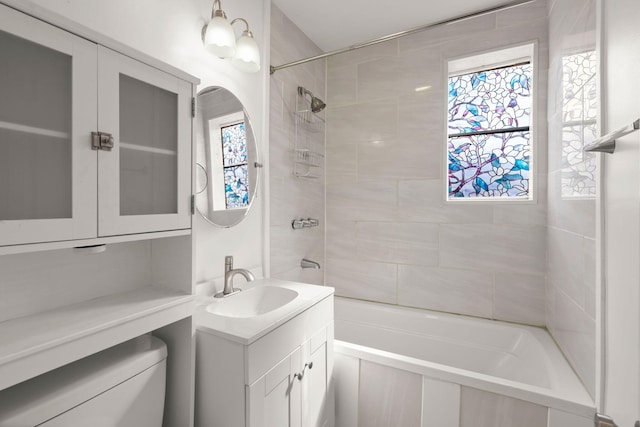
(122, 386)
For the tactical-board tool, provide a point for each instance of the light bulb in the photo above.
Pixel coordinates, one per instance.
(219, 37)
(247, 57)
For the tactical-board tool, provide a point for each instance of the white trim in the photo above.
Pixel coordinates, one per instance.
(492, 59)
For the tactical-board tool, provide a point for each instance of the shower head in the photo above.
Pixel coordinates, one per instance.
(317, 104)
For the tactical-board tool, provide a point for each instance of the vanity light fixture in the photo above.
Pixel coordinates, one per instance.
(218, 37)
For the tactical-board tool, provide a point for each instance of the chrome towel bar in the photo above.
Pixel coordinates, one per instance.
(607, 143)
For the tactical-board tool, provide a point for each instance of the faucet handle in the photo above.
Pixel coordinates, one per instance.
(228, 262)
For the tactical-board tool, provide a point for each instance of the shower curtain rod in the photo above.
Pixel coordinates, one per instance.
(516, 3)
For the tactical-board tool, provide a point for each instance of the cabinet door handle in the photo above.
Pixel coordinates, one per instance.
(301, 374)
(101, 141)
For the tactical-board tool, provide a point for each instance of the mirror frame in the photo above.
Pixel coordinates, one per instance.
(231, 217)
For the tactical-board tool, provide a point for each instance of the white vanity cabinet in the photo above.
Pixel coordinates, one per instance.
(60, 92)
(280, 379)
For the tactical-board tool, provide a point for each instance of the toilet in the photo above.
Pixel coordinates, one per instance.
(122, 386)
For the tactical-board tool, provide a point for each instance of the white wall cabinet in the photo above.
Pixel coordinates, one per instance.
(57, 89)
(56, 192)
(280, 380)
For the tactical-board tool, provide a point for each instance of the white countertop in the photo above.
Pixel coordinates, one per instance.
(247, 330)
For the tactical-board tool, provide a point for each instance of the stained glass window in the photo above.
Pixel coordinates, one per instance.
(579, 115)
(234, 159)
(489, 141)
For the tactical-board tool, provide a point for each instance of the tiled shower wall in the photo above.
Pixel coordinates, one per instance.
(293, 197)
(571, 281)
(390, 236)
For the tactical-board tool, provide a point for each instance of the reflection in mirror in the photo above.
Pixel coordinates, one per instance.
(226, 155)
(579, 123)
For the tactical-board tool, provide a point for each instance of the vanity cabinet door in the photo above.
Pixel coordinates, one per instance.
(144, 181)
(47, 113)
(274, 399)
(315, 396)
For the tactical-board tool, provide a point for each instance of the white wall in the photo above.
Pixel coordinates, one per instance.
(170, 31)
(571, 219)
(293, 197)
(621, 33)
(390, 235)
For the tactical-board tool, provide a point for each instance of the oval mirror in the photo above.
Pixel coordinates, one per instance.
(226, 158)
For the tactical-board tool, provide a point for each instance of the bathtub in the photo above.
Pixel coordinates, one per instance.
(407, 367)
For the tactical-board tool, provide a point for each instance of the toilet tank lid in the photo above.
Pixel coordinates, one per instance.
(42, 398)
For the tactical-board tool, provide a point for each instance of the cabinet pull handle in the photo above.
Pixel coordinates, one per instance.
(101, 141)
(301, 374)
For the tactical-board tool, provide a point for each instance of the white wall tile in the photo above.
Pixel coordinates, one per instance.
(364, 196)
(341, 85)
(519, 298)
(342, 160)
(402, 243)
(575, 333)
(422, 201)
(341, 239)
(566, 263)
(440, 403)
(571, 233)
(369, 121)
(493, 248)
(374, 281)
(577, 216)
(382, 50)
(390, 158)
(388, 397)
(395, 175)
(444, 33)
(457, 291)
(290, 197)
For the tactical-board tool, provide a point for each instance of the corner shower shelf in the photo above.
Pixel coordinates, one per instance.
(308, 157)
(309, 121)
(35, 344)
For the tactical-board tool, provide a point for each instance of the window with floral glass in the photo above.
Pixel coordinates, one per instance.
(489, 148)
(234, 160)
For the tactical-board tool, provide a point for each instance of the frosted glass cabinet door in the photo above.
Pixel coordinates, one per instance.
(47, 112)
(144, 181)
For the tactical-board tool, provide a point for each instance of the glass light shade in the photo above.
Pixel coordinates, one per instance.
(247, 57)
(220, 38)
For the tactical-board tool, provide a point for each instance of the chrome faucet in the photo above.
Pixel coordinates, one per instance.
(229, 273)
(307, 263)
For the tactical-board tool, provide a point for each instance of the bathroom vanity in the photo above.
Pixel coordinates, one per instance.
(267, 365)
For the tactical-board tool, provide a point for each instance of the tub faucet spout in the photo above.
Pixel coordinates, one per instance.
(229, 274)
(307, 263)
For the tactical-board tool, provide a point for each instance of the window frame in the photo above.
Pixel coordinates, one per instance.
(496, 58)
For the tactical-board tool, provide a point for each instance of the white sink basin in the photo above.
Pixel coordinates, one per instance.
(261, 306)
(253, 301)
